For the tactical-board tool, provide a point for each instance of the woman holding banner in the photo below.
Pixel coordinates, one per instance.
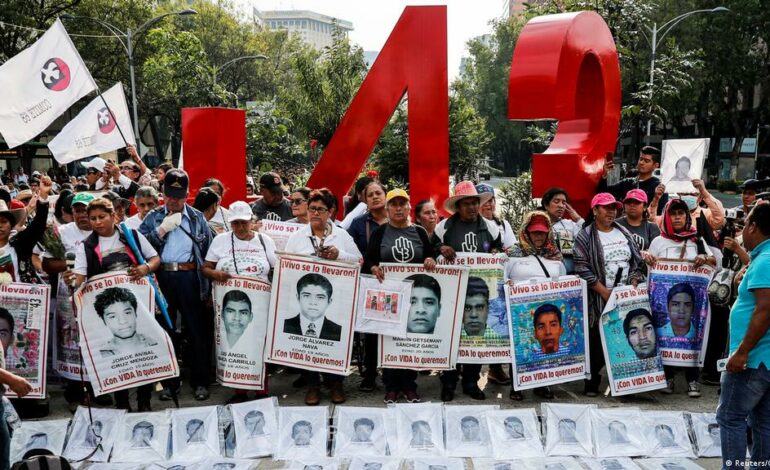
(398, 241)
(325, 240)
(680, 240)
(106, 250)
(605, 256)
(536, 256)
(565, 229)
(240, 252)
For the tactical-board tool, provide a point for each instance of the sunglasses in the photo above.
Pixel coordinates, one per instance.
(92, 172)
(297, 202)
(318, 210)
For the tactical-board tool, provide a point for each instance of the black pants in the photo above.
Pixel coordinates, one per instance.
(468, 373)
(597, 357)
(717, 343)
(313, 379)
(690, 373)
(182, 292)
(143, 395)
(399, 380)
(370, 341)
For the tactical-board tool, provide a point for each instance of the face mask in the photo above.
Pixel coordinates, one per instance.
(691, 201)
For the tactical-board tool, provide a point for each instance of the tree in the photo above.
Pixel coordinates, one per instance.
(269, 139)
(469, 141)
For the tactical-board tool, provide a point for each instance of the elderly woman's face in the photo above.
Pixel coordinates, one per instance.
(538, 238)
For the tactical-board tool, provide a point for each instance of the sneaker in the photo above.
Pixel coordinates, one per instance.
(669, 387)
(693, 390)
(367, 384)
(411, 396)
(390, 398)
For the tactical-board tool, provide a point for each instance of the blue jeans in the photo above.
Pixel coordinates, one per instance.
(745, 396)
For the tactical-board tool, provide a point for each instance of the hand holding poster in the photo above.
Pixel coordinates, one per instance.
(241, 306)
(484, 336)
(312, 310)
(123, 346)
(382, 307)
(24, 333)
(681, 162)
(630, 346)
(548, 325)
(434, 320)
(680, 310)
(279, 231)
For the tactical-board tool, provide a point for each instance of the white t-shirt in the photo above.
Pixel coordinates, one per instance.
(11, 251)
(111, 247)
(133, 222)
(617, 255)
(71, 237)
(252, 259)
(526, 268)
(666, 248)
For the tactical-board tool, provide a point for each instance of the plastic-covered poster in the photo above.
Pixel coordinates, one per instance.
(568, 429)
(116, 466)
(359, 431)
(553, 463)
(66, 345)
(548, 325)
(629, 342)
(434, 320)
(467, 434)
(172, 465)
(142, 437)
(668, 464)
(220, 463)
(92, 437)
(419, 430)
(256, 427)
(195, 433)
(681, 162)
(241, 306)
(279, 231)
(322, 463)
(708, 439)
(515, 433)
(438, 463)
(484, 339)
(480, 463)
(302, 432)
(610, 463)
(48, 435)
(680, 307)
(312, 314)
(226, 432)
(666, 434)
(382, 307)
(374, 463)
(617, 433)
(24, 314)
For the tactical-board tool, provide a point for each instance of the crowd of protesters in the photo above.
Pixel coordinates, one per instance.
(630, 225)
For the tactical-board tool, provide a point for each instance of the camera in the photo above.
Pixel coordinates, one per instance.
(734, 213)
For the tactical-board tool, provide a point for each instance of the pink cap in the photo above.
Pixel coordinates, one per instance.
(538, 224)
(636, 195)
(605, 199)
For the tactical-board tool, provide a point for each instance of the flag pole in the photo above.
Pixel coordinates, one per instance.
(99, 92)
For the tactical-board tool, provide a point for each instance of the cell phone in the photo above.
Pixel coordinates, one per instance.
(722, 365)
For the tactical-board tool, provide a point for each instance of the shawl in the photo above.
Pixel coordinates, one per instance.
(526, 247)
(666, 228)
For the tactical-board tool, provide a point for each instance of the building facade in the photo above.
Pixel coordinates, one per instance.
(314, 28)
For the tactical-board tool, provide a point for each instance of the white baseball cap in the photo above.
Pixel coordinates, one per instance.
(240, 210)
(97, 163)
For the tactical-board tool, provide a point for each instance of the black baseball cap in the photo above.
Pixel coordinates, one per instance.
(270, 181)
(115, 199)
(176, 183)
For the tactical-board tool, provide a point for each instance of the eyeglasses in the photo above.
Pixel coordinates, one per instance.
(92, 172)
(297, 202)
(318, 210)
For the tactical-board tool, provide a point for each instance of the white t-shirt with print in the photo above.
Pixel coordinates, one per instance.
(71, 237)
(110, 245)
(617, 255)
(251, 258)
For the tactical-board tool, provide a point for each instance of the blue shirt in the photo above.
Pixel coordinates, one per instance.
(756, 277)
(179, 246)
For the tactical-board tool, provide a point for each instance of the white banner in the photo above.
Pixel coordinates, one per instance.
(241, 305)
(435, 318)
(382, 307)
(96, 129)
(681, 162)
(312, 310)
(24, 315)
(279, 231)
(122, 344)
(38, 84)
(66, 344)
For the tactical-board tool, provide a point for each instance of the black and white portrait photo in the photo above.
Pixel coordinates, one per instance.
(314, 296)
(142, 437)
(48, 434)
(195, 432)
(668, 464)
(514, 433)
(303, 432)
(682, 161)
(419, 430)
(467, 434)
(96, 429)
(666, 434)
(433, 463)
(568, 429)
(374, 463)
(613, 437)
(708, 439)
(142, 434)
(255, 424)
(360, 431)
(610, 463)
(116, 307)
(320, 463)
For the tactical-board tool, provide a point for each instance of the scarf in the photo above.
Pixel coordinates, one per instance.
(526, 247)
(667, 230)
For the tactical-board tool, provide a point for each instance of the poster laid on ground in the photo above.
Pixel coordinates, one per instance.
(568, 429)
(434, 321)
(666, 434)
(123, 346)
(360, 431)
(681, 162)
(256, 427)
(241, 305)
(680, 310)
(629, 342)
(548, 327)
(312, 314)
(484, 334)
(302, 432)
(419, 430)
(467, 433)
(194, 433)
(142, 437)
(47, 434)
(708, 438)
(279, 231)
(24, 333)
(515, 433)
(383, 307)
(66, 344)
(374, 463)
(617, 433)
(92, 434)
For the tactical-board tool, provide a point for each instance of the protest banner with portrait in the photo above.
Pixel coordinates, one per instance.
(66, 344)
(548, 331)
(142, 437)
(241, 305)
(515, 433)
(382, 307)
(360, 431)
(255, 427)
(92, 434)
(312, 313)
(24, 333)
(666, 434)
(434, 320)
(484, 335)
(629, 343)
(680, 310)
(123, 346)
(467, 433)
(48, 434)
(278, 231)
(681, 162)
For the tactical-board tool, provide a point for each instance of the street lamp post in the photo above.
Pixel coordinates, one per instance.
(654, 41)
(128, 45)
(231, 62)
